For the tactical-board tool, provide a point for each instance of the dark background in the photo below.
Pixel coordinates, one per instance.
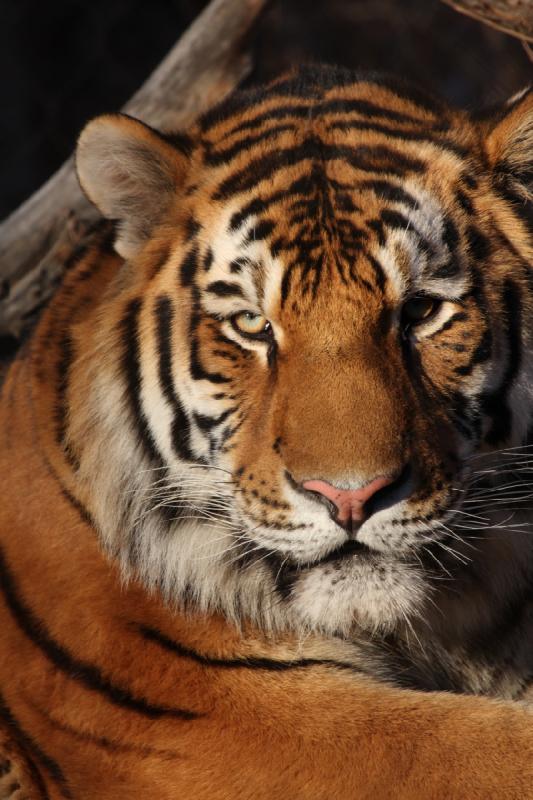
(63, 61)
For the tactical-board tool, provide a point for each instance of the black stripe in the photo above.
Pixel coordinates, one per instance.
(228, 433)
(389, 191)
(300, 111)
(451, 235)
(83, 672)
(376, 225)
(460, 412)
(192, 228)
(451, 269)
(164, 314)
(206, 423)
(298, 219)
(80, 508)
(464, 201)
(216, 157)
(272, 665)
(366, 109)
(279, 244)
(483, 350)
(66, 357)
(369, 159)
(397, 221)
(237, 265)
(224, 289)
(345, 203)
(481, 354)
(523, 175)
(496, 403)
(198, 372)
(208, 259)
(35, 751)
(103, 741)
(83, 512)
(181, 141)
(260, 231)
(241, 351)
(379, 272)
(258, 205)
(406, 135)
(451, 239)
(132, 370)
(189, 266)
(314, 80)
(478, 244)
(521, 207)
(420, 97)
(79, 252)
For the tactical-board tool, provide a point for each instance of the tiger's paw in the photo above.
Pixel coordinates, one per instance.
(15, 779)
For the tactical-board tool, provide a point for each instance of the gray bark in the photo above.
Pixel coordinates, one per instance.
(514, 17)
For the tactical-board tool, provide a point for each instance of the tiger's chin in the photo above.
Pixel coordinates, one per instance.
(345, 593)
(344, 587)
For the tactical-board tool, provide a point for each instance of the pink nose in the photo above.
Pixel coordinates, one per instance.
(349, 502)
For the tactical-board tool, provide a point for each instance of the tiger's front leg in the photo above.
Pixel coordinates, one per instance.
(329, 736)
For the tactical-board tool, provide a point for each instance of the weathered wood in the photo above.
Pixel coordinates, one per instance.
(205, 64)
(514, 17)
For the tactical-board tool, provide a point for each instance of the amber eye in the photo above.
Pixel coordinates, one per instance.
(255, 326)
(419, 309)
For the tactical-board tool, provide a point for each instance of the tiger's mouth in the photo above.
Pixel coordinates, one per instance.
(346, 550)
(351, 547)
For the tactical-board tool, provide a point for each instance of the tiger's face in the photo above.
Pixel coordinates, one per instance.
(320, 323)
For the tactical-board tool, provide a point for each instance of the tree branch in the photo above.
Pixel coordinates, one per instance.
(514, 17)
(36, 240)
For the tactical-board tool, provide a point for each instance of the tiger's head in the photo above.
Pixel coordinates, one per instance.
(322, 318)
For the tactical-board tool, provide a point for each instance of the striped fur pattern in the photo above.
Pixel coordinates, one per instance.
(324, 203)
(384, 241)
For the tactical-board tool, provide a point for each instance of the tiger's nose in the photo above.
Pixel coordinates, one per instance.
(350, 503)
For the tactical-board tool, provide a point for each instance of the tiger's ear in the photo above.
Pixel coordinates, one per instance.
(509, 142)
(130, 173)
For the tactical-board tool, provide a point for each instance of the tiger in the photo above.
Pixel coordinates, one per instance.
(258, 457)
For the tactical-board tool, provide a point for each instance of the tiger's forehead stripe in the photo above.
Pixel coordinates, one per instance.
(408, 215)
(364, 158)
(308, 158)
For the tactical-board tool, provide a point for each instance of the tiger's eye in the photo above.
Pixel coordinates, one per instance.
(252, 325)
(419, 309)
